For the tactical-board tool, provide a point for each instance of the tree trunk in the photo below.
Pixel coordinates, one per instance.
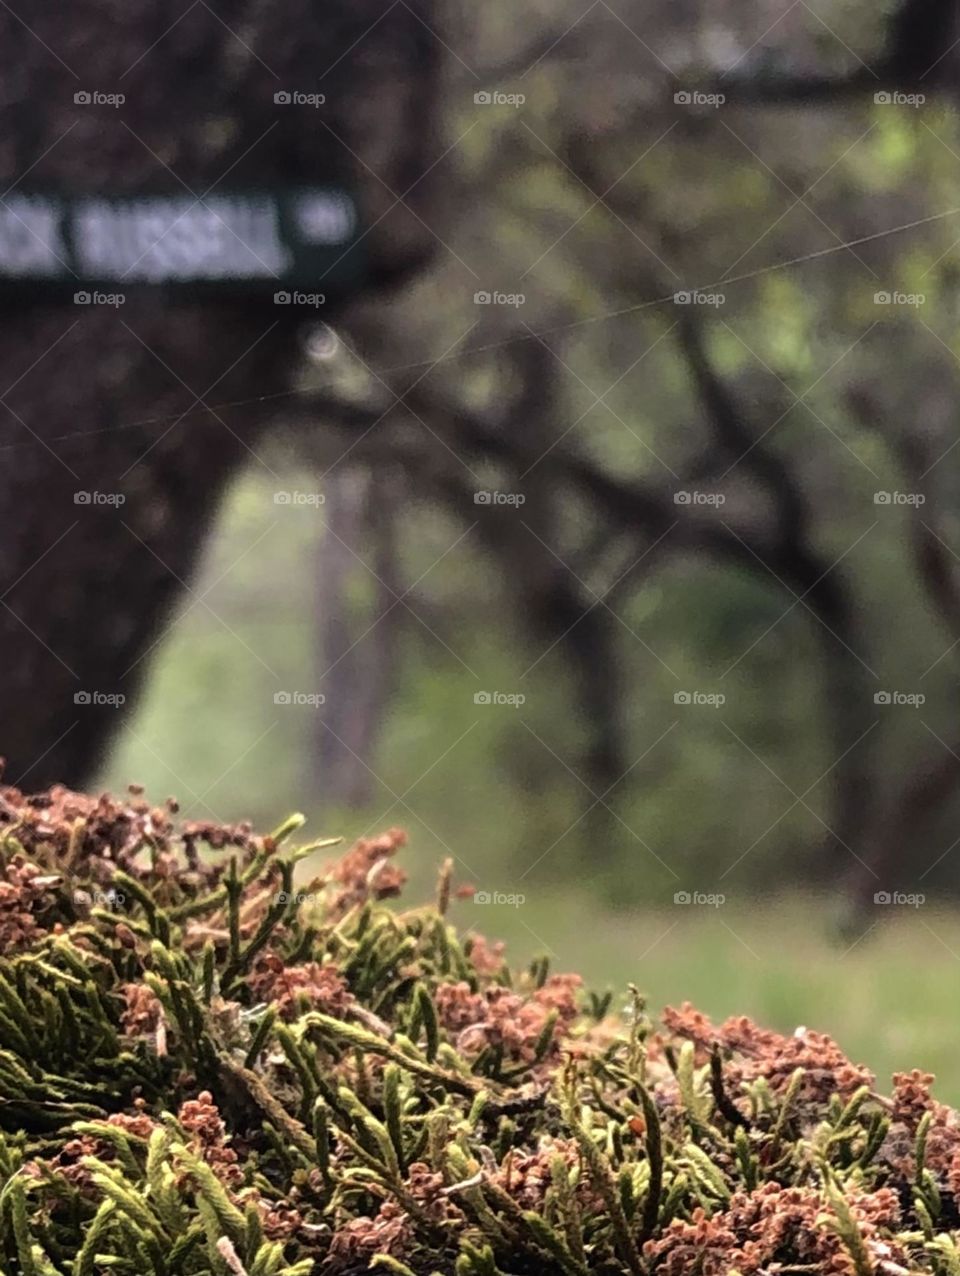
(112, 402)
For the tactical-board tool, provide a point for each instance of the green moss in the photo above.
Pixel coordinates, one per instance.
(206, 1069)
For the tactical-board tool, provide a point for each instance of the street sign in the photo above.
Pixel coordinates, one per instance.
(241, 242)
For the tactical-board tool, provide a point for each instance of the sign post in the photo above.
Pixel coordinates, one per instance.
(290, 242)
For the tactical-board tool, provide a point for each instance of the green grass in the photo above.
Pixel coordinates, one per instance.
(478, 785)
(889, 998)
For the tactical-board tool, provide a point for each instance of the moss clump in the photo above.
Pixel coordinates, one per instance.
(207, 1069)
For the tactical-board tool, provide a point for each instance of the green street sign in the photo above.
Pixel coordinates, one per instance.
(252, 241)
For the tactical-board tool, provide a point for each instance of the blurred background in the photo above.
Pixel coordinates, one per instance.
(613, 549)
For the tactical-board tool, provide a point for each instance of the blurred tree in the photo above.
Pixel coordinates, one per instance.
(613, 234)
(636, 296)
(119, 402)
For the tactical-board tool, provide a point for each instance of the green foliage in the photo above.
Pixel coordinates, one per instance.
(217, 1076)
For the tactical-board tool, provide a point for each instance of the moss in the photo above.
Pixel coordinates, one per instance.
(207, 1069)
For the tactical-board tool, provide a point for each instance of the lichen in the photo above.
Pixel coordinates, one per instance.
(210, 1068)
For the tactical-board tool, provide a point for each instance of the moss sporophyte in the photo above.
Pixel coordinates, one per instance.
(209, 1068)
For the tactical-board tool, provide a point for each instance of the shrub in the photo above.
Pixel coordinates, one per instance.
(205, 1068)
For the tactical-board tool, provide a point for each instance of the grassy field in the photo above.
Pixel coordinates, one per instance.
(466, 783)
(889, 998)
